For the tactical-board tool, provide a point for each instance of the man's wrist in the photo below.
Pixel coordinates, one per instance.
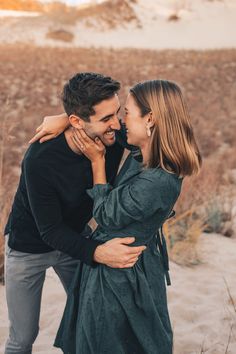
(98, 254)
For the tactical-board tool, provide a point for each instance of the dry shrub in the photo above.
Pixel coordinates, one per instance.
(205, 205)
(219, 213)
(182, 234)
(60, 35)
(174, 18)
(10, 154)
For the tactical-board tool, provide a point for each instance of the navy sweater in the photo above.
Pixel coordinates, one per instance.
(51, 207)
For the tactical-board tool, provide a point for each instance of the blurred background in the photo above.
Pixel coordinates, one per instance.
(192, 42)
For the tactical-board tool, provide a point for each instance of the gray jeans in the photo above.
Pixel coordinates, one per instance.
(25, 275)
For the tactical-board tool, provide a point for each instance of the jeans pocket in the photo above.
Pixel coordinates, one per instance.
(7, 248)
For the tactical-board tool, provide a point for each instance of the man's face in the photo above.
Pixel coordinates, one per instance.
(105, 121)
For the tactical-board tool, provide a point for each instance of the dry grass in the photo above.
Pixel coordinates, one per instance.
(182, 234)
(32, 79)
(6, 179)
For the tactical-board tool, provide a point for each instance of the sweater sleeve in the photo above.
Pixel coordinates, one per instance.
(46, 210)
(149, 193)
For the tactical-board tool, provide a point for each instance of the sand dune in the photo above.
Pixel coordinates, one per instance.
(195, 24)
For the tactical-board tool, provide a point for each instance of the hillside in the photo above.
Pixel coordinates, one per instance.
(144, 24)
(21, 5)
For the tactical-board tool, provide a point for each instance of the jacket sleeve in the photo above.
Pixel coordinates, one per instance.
(46, 209)
(115, 208)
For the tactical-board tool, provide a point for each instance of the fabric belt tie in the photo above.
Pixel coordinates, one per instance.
(161, 242)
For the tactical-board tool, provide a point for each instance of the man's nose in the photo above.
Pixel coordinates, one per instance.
(115, 125)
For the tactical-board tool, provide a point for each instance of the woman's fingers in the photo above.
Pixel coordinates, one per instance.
(37, 136)
(90, 148)
(47, 137)
(84, 137)
(99, 143)
(79, 137)
(80, 142)
(39, 128)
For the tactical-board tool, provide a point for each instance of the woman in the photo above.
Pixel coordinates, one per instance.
(124, 311)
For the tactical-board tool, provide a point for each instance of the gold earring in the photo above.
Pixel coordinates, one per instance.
(149, 133)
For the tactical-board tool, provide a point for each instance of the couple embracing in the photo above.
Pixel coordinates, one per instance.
(115, 277)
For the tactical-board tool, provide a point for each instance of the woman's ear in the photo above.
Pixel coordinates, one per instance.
(150, 120)
(76, 122)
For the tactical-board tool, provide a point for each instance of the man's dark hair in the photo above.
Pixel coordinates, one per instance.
(84, 90)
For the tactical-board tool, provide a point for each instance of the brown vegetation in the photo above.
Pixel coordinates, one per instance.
(60, 35)
(32, 79)
(173, 17)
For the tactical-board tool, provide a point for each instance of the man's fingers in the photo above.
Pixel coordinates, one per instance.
(132, 259)
(128, 265)
(136, 250)
(127, 240)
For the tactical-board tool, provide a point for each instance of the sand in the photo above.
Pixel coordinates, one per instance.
(199, 303)
(201, 25)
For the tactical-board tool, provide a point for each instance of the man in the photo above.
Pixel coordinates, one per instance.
(47, 226)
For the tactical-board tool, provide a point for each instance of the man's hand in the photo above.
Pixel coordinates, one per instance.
(117, 253)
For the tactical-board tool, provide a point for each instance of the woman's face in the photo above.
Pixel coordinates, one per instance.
(135, 124)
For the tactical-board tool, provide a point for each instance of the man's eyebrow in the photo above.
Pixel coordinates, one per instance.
(109, 115)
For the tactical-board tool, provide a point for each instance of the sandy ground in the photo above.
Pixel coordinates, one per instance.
(200, 307)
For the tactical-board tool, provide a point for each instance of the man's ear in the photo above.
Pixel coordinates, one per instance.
(76, 121)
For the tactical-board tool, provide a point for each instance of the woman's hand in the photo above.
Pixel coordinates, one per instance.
(94, 150)
(51, 127)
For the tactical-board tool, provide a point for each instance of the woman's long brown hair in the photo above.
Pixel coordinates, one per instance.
(173, 146)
